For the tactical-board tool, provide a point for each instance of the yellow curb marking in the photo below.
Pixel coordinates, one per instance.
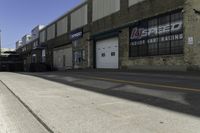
(146, 84)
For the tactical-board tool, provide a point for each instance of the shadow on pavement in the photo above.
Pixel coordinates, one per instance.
(178, 101)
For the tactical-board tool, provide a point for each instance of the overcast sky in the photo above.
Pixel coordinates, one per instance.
(19, 17)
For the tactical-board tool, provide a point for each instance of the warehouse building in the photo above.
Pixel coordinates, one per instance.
(125, 34)
(18, 44)
(146, 34)
(31, 51)
(10, 60)
(66, 40)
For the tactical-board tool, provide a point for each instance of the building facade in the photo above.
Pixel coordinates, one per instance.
(66, 40)
(124, 34)
(146, 34)
(10, 60)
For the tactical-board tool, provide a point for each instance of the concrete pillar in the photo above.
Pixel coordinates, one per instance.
(192, 34)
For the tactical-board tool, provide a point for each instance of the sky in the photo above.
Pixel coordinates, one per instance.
(19, 17)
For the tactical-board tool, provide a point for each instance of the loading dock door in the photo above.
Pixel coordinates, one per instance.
(107, 53)
(62, 58)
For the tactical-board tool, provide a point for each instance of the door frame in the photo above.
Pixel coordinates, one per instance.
(114, 35)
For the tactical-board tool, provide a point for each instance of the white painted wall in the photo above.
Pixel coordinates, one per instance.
(62, 26)
(102, 8)
(79, 17)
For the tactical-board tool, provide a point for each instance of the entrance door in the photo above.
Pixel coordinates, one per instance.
(63, 58)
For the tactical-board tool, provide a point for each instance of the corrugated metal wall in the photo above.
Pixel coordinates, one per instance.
(133, 2)
(42, 36)
(102, 8)
(51, 32)
(62, 26)
(79, 17)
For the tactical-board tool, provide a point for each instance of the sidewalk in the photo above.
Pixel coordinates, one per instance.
(14, 117)
(67, 109)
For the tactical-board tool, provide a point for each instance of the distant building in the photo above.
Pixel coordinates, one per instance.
(35, 31)
(26, 39)
(5, 51)
(18, 44)
(30, 51)
(10, 60)
(120, 34)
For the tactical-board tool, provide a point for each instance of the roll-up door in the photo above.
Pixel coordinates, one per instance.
(62, 58)
(107, 53)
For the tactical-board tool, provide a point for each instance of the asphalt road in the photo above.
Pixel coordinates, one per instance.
(95, 102)
(183, 80)
(157, 89)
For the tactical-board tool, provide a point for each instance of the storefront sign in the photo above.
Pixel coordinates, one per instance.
(159, 35)
(76, 34)
(139, 33)
(190, 40)
(143, 33)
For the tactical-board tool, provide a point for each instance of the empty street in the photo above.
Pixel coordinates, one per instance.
(96, 102)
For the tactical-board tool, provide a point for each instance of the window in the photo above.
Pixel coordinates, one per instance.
(62, 26)
(43, 56)
(103, 8)
(177, 41)
(64, 64)
(161, 35)
(164, 31)
(34, 58)
(112, 53)
(35, 44)
(79, 17)
(42, 36)
(76, 43)
(51, 32)
(153, 37)
(79, 56)
(103, 55)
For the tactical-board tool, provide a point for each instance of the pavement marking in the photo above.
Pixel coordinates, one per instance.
(146, 84)
(30, 110)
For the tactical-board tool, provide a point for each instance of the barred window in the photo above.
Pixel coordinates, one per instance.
(177, 45)
(153, 41)
(161, 35)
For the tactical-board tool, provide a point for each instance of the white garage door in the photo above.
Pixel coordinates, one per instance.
(62, 58)
(107, 53)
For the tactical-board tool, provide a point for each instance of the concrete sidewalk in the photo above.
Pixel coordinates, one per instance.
(67, 109)
(14, 117)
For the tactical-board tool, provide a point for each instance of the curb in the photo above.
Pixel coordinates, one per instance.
(30, 110)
